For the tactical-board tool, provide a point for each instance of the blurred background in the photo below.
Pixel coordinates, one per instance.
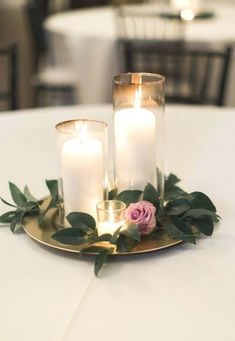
(59, 52)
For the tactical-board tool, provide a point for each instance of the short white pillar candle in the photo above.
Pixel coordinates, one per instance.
(83, 156)
(82, 174)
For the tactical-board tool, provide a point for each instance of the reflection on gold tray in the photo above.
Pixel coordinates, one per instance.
(43, 236)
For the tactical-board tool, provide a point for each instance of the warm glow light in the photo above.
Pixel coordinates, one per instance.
(136, 79)
(184, 4)
(138, 96)
(187, 14)
(81, 128)
(111, 216)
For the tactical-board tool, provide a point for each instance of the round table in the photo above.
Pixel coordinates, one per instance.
(184, 293)
(86, 41)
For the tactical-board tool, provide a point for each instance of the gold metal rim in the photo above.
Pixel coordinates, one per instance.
(59, 126)
(160, 80)
(43, 236)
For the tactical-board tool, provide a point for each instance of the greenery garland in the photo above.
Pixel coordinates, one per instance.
(184, 216)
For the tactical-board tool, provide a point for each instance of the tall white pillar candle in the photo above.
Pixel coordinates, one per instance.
(138, 102)
(135, 140)
(82, 175)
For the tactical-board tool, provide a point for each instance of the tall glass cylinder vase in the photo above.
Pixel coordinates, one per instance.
(83, 165)
(139, 100)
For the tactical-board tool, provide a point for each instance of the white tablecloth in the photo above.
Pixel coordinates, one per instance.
(183, 293)
(86, 40)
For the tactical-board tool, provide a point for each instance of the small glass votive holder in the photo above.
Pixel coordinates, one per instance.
(110, 216)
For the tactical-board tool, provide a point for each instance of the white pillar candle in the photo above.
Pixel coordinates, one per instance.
(135, 139)
(82, 174)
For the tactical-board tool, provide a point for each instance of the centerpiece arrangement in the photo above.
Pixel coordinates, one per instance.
(83, 214)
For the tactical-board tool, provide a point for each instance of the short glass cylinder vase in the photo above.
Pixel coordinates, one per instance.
(139, 102)
(82, 165)
(110, 215)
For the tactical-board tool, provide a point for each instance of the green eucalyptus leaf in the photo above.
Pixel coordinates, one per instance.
(132, 231)
(125, 244)
(176, 233)
(171, 191)
(106, 237)
(182, 225)
(101, 259)
(30, 205)
(150, 194)
(73, 236)
(28, 195)
(171, 180)
(174, 193)
(7, 217)
(205, 225)
(92, 248)
(44, 212)
(7, 203)
(115, 235)
(16, 221)
(200, 213)
(41, 220)
(112, 194)
(201, 200)
(160, 213)
(177, 206)
(129, 196)
(83, 227)
(17, 196)
(74, 218)
(52, 185)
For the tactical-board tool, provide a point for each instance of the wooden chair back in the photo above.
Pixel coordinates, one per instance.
(9, 69)
(193, 75)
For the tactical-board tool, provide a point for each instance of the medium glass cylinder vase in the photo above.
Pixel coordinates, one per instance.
(139, 100)
(83, 165)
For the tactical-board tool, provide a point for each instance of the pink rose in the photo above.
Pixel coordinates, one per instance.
(142, 213)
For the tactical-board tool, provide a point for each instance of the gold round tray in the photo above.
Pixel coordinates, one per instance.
(43, 235)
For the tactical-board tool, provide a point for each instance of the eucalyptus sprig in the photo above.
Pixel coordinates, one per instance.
(83, 232)
(54, 201)
(183, 216)
(25, 204)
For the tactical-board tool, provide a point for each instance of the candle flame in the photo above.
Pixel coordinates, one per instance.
(111, 215)
(137, 80)
(187, 14)
(81, 129)
(138, 97)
